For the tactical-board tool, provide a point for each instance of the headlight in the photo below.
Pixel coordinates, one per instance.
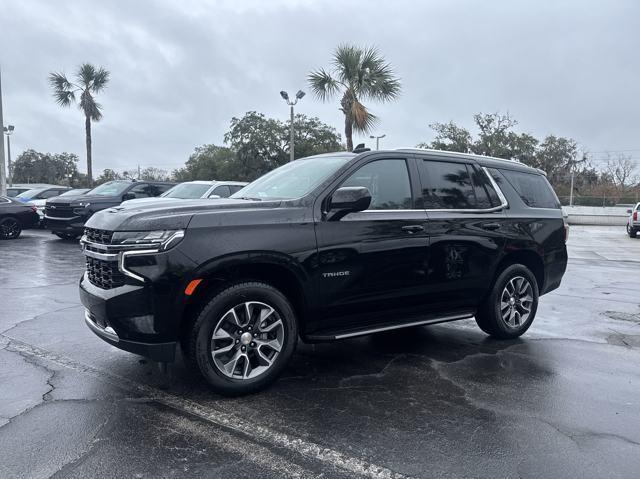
(82, 204)
(161, 239)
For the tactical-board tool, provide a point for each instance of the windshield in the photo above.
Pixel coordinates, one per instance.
(187, 191)
(77, 192)
(110, 188)
(292, 180)
(30, 193)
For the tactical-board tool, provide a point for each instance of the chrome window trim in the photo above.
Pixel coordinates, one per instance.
(503, 199)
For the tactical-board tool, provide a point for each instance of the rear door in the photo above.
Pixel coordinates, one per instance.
(466, 230)
(374, 261)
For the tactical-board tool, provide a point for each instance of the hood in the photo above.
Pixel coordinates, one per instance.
(168, 214)
(138, 201)
(68, 200)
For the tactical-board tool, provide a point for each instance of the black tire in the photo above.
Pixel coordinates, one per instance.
(215, 317)
(10, 228)
(490, 314)
(67, 236)
(632, 232)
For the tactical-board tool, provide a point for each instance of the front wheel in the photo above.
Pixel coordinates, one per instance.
(243, 338)
(511, 306)
(10, 228)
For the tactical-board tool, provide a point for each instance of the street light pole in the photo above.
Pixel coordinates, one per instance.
(3, 177)
(377, 140)
(8, 130)
(285, 97)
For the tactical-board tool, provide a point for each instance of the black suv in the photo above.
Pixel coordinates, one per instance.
(324, 248)
(65, 216)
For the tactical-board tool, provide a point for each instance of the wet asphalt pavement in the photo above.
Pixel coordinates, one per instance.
(438, 401)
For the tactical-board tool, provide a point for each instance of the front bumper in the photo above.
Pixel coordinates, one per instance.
(124, 317)
(73, 225)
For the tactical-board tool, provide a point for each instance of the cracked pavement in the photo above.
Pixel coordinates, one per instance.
(438, 401)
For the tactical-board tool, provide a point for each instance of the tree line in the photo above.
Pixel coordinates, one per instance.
(611, 182)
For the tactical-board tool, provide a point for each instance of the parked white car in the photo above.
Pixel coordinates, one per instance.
(190, 190)
(633, 222)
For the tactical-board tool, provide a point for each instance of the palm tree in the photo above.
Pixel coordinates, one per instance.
(88, 81)
(359, 74)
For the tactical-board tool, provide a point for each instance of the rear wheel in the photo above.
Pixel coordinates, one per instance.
(243, 338)
(632, 232)
(511, 306)
(10, 228)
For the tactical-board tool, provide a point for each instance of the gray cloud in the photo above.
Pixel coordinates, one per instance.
(181, 70)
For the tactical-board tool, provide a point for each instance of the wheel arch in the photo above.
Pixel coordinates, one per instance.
(274, 270)
(528, 258)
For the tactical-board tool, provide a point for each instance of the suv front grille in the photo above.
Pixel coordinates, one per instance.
(98, 236)
(59, 211)
(104, 274)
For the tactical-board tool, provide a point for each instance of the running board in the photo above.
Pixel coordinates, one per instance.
(379, 329)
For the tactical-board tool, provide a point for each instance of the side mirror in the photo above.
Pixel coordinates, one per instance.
(629, 212)
(214, 197)
(348, 199)
(128, 196)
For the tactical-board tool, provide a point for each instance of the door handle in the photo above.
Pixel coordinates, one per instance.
(491, 226)
(412, 228)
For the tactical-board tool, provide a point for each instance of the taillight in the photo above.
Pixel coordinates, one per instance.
(566, 230)
(34, 209)
(635, 215)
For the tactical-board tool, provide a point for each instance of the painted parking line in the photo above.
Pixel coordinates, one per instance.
(215, 415)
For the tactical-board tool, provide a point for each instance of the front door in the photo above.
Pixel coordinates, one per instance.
(374, 261)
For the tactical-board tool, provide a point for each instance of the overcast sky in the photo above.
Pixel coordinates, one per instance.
(180, 70)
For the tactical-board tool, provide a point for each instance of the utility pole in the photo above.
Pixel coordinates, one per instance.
(8, 130)
(3, 176)
(571, 191)
(285, 97)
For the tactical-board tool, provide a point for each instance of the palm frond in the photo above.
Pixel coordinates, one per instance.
(85, 74)
(362, 119)
(347, 61)
(323, 85)
(63, 89)
(100, 80)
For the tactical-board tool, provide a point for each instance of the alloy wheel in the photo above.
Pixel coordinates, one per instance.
(516, 302)
(10, 228)
(247, 340)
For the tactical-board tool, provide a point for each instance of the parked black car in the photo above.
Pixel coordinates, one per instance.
(16, 216)
(65, 215)
(324, 248)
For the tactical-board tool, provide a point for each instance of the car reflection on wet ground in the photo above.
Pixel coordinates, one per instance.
(439, 401)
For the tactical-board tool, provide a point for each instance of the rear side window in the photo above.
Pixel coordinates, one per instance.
(222, 191)
(534, 189)
(447, 185)
(162, 188)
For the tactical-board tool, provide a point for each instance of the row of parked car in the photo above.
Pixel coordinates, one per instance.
(64, 210)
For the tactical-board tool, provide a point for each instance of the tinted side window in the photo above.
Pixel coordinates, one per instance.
(534, 189)
(144, 191)
(222, 191)
(485, 193)
(235, 188)
(388, 183)
(162, 188)
(446, 185)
